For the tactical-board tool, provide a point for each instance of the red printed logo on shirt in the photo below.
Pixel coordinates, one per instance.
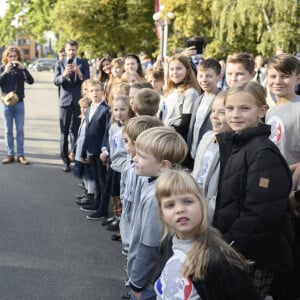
(277, 129)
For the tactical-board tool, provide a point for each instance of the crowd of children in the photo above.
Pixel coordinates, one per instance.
(200, 179)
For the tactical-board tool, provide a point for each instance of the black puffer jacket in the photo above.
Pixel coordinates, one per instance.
(223, 280)
(253, 201)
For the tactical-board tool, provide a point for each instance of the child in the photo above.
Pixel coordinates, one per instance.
(239, 67)
(135, 88)
(84, 87)
(156, 78)
(97, 117)
(157, 149)
(146, 102)
(195, 262)
(131, 131)
(83, 170)
(253, 199)
(116, 157)
(207, 163)
(131, 77)
(132, 63)
(181, 92)
(117, 69)
(208, 75)
(283, 75)
(284, 117)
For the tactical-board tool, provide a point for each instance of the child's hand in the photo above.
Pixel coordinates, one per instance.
(136, 295)
(295, 205)
(84, 160)
(103, 156)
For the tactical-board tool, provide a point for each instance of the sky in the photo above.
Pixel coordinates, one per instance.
(3, 6)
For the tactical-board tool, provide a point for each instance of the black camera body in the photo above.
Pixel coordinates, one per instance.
(70, 61)
(197, 42)
(14, 65)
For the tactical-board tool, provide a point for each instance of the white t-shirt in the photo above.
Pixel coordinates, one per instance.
(172, 285)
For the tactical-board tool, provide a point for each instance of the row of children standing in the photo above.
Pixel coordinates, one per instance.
(238, 114)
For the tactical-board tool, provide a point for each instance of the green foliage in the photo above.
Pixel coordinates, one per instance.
(117, 27)
(107, 27)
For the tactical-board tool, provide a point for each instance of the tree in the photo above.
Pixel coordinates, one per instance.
(106, 27)
(258, 26)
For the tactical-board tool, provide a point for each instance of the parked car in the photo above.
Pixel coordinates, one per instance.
(43, 64)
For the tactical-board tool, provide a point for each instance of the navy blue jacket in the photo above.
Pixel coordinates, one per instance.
(95, 130)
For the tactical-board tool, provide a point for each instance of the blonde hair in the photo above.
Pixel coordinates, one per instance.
(118, 62)
(84, 87)
(207, 239)
(121, 88)
(85, 101)
(93, 83)
(190, 80)
(164, 143)
(11, 49)
(119, 98)
(136, 125)
(253, 88)
(126, 75)
(146, 101)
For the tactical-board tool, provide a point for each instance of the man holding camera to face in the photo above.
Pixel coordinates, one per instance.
(69, 75)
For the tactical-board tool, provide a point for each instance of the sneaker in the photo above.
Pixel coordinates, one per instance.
(90, 208)
(125, 253)
(80, 196)
(107, 221)
(81, 185)
(126, 295)
(98, 215)
(84, 201)
(113, 226)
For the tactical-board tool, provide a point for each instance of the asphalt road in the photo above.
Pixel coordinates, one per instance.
(49, 250)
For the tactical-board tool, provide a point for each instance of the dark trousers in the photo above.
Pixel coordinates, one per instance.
(69, 124)
(99, 173)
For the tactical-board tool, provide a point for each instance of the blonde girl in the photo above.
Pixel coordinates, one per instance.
(131, 77)
(253, 199)
(206, 169)
(117, 69)
(181, 92)
(195, 262)
(82, 170)
(115, 155)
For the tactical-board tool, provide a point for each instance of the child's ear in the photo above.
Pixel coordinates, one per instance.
(165, 164)
(262, 111)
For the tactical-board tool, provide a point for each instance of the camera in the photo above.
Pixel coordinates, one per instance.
(197, 42)
(70, 61)
(14, 65)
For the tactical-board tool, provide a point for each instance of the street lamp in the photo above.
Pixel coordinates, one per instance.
(163, 21)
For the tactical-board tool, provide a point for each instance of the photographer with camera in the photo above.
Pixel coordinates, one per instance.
(195, 47)
(69, 75)
(13, 75)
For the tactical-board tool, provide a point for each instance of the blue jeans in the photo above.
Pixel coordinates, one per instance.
(10, 114)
